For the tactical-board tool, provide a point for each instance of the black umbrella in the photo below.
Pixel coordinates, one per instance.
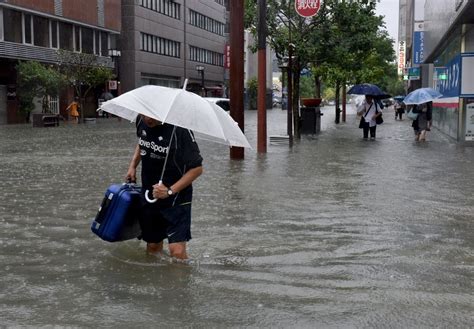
(368, 89)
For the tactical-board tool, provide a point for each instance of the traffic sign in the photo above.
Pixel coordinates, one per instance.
(307, 8)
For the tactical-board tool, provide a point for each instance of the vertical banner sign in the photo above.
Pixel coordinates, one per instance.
(307, 8)
(418, 43)
(401, 57)
(227, 57)
(418, 47)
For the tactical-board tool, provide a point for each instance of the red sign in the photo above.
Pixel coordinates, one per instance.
(227, 57)
(307, 8)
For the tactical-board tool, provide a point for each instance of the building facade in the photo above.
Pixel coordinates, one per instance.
(165, 42)
(36, 29)
(441, 50)
(449, 62)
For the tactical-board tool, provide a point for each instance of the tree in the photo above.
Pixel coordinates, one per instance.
(37, 80)
(83, 72)
(333, 43)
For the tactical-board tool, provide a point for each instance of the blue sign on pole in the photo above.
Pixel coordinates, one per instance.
(418, 47)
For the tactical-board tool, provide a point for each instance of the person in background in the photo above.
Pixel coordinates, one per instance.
(399, 110)
(369, 110)
(73, 109)
(421, 124)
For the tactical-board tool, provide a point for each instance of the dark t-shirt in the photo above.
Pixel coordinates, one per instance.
(184, 155)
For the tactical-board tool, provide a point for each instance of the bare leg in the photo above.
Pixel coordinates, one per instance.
(154, 248)
(423, 135)
(178, 250)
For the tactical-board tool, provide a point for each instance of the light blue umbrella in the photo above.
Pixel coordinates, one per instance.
(421, 95)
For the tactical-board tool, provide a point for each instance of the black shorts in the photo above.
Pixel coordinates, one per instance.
(172, 223)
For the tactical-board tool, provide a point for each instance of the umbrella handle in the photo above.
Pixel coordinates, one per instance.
(148, 199)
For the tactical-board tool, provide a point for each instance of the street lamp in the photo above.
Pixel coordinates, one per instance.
(285, 66)
(200, 69)
(114, 54)
(284, 70)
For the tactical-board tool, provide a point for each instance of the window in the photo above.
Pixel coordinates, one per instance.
(65, 36)
(104, 44)
(87, 39)
(206, 56)
(157, 45)
(77, 38)
(27, 24)
(165, 7)
(12, 28)
(97, 43)
(54, 34)
(41, 31)
(206, 23)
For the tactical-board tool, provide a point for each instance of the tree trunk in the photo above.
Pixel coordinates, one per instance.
(338, 108)
(344, 102)
(317, 84)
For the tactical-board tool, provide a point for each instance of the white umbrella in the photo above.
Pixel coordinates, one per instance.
(180, 108)
(421, 95)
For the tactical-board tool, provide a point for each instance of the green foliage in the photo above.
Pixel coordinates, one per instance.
(307, 87)
(329, 93)
(252, 92)
(343, 42)
(37, 80)
(83, 72)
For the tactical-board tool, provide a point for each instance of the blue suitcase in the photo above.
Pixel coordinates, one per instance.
(117, 218)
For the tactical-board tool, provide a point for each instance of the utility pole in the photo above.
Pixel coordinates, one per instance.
(237, 69)
(290, 82)
(262, 77)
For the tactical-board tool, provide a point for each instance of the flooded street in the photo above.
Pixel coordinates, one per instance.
(335, 232)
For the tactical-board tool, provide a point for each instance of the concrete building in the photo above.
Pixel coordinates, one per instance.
(36, 29)
(449, 53)
(165, 42)
(438, 52)
(251, 67)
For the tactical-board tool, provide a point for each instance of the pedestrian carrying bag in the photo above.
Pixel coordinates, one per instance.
(411, 115)
(379, 119)
(362, 118)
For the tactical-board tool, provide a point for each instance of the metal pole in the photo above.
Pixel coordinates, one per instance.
(344, 99)
(262, 77)
(203, 89)
(290, 82)
(237, 69)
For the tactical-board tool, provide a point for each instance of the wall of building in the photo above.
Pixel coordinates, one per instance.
(84, 11)
(439, 17)
(54, 23)
(141, 67)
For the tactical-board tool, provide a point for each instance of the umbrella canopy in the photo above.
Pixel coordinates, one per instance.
(180, 108)
(106, 96)
(399, 98)
(368, 89)
(421, 95)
